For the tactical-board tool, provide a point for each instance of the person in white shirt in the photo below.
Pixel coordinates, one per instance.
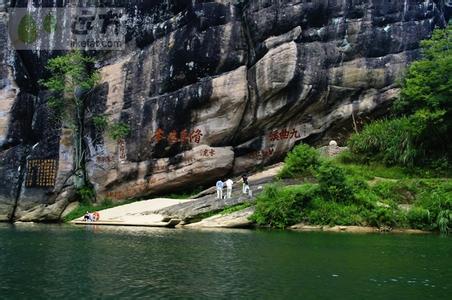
(229, 184)
(219, 186)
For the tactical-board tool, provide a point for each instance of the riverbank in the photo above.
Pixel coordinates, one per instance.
(379, 199)
(140, 213)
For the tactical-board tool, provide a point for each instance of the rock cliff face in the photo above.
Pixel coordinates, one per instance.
(209, 88)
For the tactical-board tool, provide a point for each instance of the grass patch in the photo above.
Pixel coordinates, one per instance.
(235, 208)
(371, 170)
(321, 212)
(225, 211)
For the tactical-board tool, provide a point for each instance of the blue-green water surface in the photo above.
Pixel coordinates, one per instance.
(51, 261)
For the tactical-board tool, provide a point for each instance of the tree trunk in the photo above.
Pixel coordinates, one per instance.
(80, 179)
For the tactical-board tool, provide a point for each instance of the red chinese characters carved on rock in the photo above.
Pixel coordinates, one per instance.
(173, 137)
(195, 136)
(159, 135)
(284, 134)
(207, 152)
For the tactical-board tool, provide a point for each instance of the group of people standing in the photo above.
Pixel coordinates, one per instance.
(228, 184)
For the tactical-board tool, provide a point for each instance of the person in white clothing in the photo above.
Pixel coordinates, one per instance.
(229, 184)
(219, 186)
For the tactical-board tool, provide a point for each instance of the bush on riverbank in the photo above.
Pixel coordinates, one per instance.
(351, 195)
(392, 142)
(280, 206)
(302, 161)
(333, 183)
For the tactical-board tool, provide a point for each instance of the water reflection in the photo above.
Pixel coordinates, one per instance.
(133, 262)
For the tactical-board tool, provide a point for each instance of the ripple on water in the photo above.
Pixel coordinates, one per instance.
(57, 262)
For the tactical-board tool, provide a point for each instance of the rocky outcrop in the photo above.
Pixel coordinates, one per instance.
(208, 88)
(238, 219)
(196, 210)
(355, 229)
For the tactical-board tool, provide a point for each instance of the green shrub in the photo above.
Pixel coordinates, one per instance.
(427, 84)
(419, 218)
(389, 141)
(401, 192)
(346, 157)
(100, 122)
(333, 183)
(366, 199)
(356, 183)
(419, 135)
(437, 199)
(444, 221)
(280, 207)
(303, 160)
(383, 216)
(377, 169)
(86, 195)
(119, 131)
(323, 212)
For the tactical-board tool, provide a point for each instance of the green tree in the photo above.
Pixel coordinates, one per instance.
(303, 160)
(428, 82)
(420, 131)
(426, 93)
(72, 80)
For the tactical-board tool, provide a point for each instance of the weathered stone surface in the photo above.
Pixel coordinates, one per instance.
(191, 211)
(238, 219)
(332, 149)
(209, 88)
(206, 202)
(70, 208)
(163, 174)
(354, 229)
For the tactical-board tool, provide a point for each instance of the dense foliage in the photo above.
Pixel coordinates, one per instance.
(119, 130)
(420, 132)
(301, 161)
(279, 207)
(333, 183)
(345, 194)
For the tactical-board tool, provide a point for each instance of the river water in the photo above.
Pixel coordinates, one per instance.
(51, 261)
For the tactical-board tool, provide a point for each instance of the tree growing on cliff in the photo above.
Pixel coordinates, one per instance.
(72, 80)
(421, 130)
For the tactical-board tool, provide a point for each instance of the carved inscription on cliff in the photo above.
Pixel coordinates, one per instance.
(41, 173)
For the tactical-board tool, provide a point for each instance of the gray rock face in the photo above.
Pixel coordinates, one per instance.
(193, 211)
(238, 219)
(209, 88)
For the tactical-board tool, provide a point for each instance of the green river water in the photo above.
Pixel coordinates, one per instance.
(65, 262)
